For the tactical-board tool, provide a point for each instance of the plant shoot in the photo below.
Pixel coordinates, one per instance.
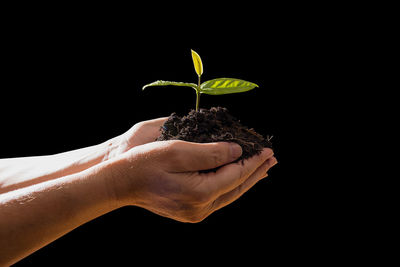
(219, 86)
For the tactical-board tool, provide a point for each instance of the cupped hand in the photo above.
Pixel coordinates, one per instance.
(164, 177)
(141, 133)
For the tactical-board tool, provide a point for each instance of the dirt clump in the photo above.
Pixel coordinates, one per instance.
(213, 125)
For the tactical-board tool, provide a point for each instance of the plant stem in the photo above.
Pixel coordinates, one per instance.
(198, 95)
(197, 100)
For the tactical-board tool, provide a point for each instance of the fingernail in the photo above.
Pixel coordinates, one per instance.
(236, 150)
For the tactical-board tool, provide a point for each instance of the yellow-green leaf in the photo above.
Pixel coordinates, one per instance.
(198, 65)
(222, 86)
(165, 83)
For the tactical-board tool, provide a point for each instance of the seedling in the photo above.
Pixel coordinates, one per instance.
(219, 86)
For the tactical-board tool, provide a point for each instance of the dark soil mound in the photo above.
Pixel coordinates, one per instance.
(213, 125)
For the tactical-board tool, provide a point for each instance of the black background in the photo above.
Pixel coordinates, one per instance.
(76, 81)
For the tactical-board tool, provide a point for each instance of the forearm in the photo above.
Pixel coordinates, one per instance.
(16, 173)
(34, 216)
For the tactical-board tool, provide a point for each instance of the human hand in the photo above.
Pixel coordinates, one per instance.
(141, 133)
(164, 177)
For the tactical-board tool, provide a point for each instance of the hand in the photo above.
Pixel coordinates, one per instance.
(164, 177)
(141, 133)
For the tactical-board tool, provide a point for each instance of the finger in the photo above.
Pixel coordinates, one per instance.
(154, 127)
(145, 131)
(156, 122)
(152, 124)
(234, 194)
(187, 156)
(232, 175)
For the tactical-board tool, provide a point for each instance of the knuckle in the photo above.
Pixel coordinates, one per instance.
(242, 171)
(139, 125)
(242, 175)
(172, 149)
(217, 156)
(175, 145)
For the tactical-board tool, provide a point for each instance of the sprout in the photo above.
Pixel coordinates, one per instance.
(219, 86)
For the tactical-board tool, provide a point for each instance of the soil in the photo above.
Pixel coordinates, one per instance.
(214, 125)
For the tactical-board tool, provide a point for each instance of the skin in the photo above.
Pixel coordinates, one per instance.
(43, 198)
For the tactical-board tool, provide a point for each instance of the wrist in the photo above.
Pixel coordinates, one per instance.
(120, 180)
(108, 179)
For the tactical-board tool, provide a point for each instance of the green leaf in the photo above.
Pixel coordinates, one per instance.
(164, 83)
(223, 86)
(198, 65)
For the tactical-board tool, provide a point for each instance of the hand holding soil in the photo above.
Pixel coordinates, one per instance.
(45, 197)
(164, 177)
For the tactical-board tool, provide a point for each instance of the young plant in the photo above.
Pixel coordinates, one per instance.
(219, 86)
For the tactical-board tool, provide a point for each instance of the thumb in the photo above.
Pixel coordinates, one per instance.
(190, 156)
